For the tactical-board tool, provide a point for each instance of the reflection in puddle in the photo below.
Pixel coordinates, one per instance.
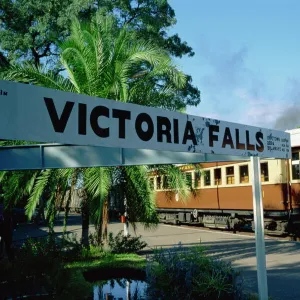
(121, 289)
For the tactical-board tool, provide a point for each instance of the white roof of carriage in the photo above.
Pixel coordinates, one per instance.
(295, 137)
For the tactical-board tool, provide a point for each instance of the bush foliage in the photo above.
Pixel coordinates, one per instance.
(189, 273)
(125, 244)
(39, 265)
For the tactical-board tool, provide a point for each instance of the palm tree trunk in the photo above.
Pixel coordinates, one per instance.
(126, 224)
(105, 219)
(85, 215)
(102, 226)
(99, 233)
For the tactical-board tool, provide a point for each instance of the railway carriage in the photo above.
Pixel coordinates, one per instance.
(221, 195)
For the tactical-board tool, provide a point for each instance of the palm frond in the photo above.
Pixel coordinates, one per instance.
(2, 175)
(140, 197)
(64, 193)
(38, 189)
(14, 186)
(97, 182)
(30, 184)
(174, 181)
(28, 73)
(50, 211)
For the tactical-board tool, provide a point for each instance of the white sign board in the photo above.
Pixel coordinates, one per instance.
(39, 114)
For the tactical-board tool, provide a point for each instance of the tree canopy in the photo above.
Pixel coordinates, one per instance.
(151, 19)
(31, 30)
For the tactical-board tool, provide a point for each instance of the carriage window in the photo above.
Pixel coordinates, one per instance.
(244, 174)
(165, 182)
(151, 183)
(206, 178)
(264, 172)
(296, 171)
(230, 175)
(295, 156)
(295, 165)
(218, 176)
(188, 177)
(197, 179)
(158, 183)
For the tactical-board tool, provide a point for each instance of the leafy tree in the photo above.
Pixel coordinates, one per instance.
(31, 30)
(150, 19)
(100, 60)
(3, 61)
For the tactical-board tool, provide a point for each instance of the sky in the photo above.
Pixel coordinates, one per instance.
(247, 59)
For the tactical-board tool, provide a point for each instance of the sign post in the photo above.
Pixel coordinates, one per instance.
(259, 229)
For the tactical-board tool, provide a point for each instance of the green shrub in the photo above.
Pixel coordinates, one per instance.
(253, 296)
(93, 239)
(188, 273)
(39, 256)
(36, 264)
(125, 244)
(41, 265)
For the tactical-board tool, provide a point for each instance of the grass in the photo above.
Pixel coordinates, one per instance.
(72, 282)
(253, 296)
(103, 260)
(97, 260)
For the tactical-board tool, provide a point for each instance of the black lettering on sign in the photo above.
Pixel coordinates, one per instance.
(239, 145)
(176, 135)
(3, 93)
(82, 118)
(166, 131)
(189, 133)
(259, 140)
(227, 139)
(97, 112)
(212, 137)
(248, 145)
(59, 124)
(144, 135)
(122, 115)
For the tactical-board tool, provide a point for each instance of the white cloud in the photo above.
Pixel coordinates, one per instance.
(259, 110)
(234, 92)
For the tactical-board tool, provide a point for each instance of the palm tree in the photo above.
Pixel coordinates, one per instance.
(104, 61)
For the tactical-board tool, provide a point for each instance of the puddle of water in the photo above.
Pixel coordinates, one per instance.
(121, 289)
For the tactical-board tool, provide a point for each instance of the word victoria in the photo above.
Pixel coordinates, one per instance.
(165, 130)
(158, 128)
